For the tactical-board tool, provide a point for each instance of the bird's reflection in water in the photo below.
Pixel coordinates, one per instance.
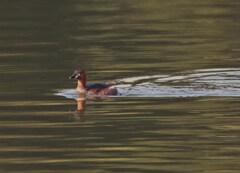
(79, 115)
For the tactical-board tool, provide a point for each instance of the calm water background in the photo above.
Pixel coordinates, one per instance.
(41, 42)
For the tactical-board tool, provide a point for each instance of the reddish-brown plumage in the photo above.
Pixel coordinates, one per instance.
(100, 89)
(108, 91)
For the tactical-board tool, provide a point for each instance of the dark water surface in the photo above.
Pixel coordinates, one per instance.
(176, 64)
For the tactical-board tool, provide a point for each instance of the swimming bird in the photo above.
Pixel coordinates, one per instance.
(97, 88)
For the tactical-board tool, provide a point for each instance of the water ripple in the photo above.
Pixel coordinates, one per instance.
(205, 82)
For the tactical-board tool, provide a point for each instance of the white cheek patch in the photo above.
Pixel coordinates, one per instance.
(77, 76)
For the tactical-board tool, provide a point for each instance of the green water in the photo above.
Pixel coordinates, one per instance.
(42, 42)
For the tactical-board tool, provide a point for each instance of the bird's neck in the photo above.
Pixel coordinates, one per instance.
(81, 85)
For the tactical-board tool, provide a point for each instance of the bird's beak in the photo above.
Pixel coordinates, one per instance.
(72, 77)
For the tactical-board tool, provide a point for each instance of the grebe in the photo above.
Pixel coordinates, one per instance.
(82, 88)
